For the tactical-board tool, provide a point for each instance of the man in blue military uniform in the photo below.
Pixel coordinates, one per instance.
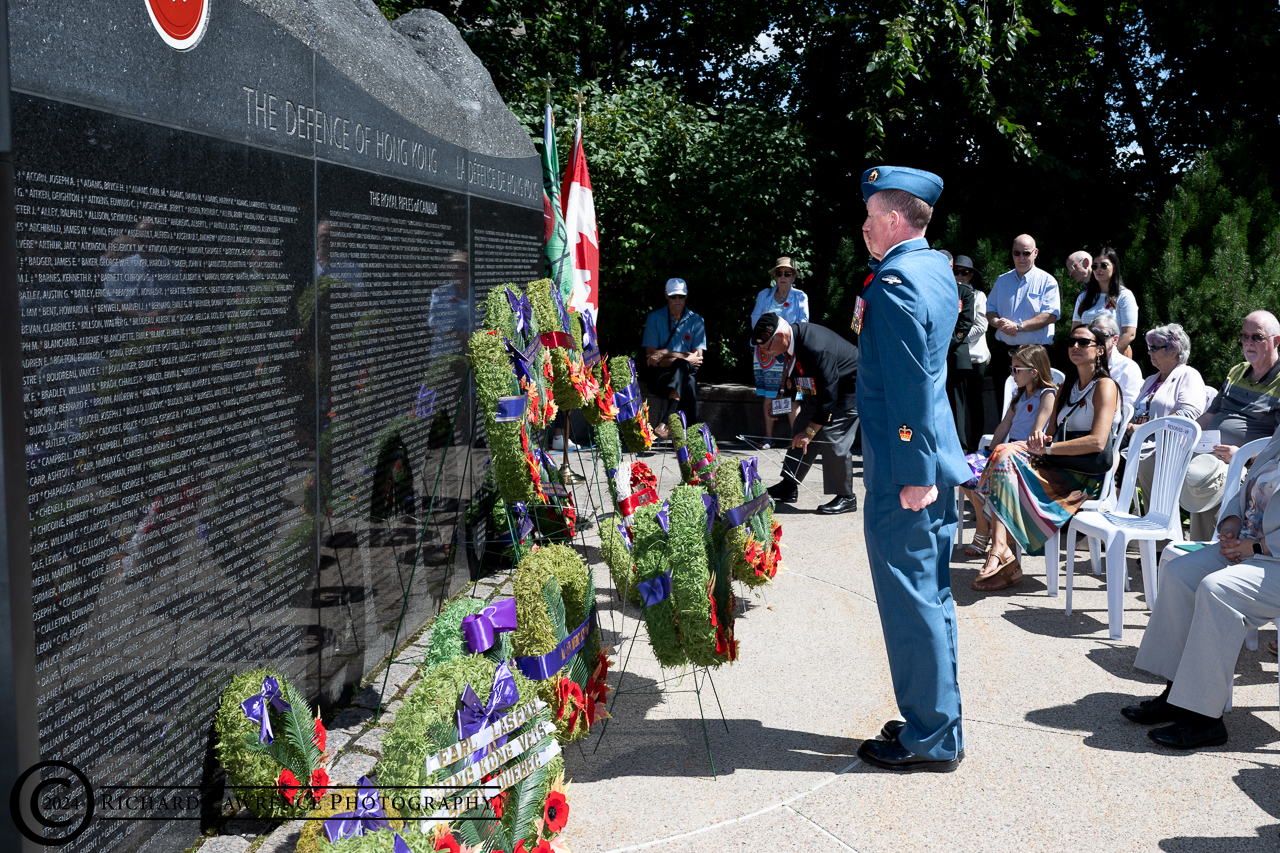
(904, 321)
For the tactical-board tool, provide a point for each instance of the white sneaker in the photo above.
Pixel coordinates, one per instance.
(558, 443)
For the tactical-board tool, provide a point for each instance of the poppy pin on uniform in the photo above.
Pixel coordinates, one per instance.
(904, 432)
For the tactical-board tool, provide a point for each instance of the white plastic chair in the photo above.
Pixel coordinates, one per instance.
(1175, 437)
(1010, 389)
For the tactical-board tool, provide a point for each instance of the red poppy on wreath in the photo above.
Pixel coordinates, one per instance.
(571, 701)
(289, 783)
(726, 645)
(321, 737)
(556, 812)
(642, 477)
(543, 846)
(711, 596)
(319, 783)
(448, 842)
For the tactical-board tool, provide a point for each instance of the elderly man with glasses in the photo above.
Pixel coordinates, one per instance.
(1246, 408)
(1023, 305)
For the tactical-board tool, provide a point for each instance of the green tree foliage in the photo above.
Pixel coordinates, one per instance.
(1213, 256)
(710, 195)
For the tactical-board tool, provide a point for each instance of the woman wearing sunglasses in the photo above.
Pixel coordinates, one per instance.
(1033, 488)
(1105, 293)
(791, 304)
(1176, 388)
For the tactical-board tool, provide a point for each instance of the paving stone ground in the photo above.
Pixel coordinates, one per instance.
(1050, 766)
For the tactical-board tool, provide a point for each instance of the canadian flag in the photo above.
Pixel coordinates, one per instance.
(580, 226)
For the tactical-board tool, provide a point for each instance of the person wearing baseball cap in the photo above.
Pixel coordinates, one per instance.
(905, 318)
(823, 367)
(673, 343)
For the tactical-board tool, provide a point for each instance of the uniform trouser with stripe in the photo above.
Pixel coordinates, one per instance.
(910, 554)
(1203, 609)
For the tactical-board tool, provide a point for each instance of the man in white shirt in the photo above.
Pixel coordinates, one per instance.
(1124, 370)
(1022, 307)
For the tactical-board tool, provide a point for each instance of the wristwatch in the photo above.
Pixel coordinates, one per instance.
(1257, 547)
(810, 431)
(1019, 325)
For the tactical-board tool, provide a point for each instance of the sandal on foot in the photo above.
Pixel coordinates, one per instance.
(1007, 574)
(978, 547)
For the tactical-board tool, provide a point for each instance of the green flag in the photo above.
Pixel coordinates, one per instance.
(559, 263)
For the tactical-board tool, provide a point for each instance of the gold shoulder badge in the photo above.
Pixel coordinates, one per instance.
(874, 176)
(904, 432)
(891, 279)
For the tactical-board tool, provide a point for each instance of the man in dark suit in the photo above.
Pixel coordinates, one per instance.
(960, 365)
(823, 366)
(905, 319)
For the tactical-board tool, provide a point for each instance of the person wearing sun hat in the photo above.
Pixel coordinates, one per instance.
(905, 318)
(673, 344)
(791, 304)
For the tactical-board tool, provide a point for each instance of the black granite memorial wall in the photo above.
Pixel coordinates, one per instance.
(247, 272)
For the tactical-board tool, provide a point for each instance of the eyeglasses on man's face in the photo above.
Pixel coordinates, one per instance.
(1023, 253)
(783, 274)
(963, 273)
(1083, 343)
(1256, 337)
(1159, 347)
(676, 296)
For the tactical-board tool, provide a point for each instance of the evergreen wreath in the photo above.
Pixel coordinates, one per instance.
(610, 452)
(752, 545)
(572, 383)
(615, 548)
(635, 431)
(600, 408)
(291, 763)
(447, 641)
(652, 551)
(692, 583)
(500, 315)
(427, 724)
(515, 472)
(680, 441)
(704, 454)
(554, 594)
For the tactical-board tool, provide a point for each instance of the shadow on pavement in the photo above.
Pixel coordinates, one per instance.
(1259, 784)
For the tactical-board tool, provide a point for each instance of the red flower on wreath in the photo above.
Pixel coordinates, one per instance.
(321, 737)
(289, 785)
(319, 783)
(598, 690)
(555, 812)
(726, 645)
(642, 477)
(497, 803)
(448, 842)
(570, 700)
(543, 846)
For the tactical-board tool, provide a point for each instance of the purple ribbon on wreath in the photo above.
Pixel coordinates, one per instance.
(564, 315)
(749, 473)
(626, 534)
(255, 708)
(519, 363)
(523, 526)
(664, 518)
(627, 401)
(523, 310)
(481, 630)
(475, 715)
(367, 817)
(712, 503)
(655, 590)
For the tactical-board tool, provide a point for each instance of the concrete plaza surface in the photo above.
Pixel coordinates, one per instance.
(1051, 765)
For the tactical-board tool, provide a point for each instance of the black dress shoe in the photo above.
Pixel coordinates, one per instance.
(1153, 711)
(839, 504)
(892, 755)
(1191, 732)
(786, 492)
(892, 732)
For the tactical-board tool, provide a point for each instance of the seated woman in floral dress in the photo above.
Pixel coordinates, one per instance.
(1032, 488)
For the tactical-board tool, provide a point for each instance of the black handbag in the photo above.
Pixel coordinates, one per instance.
(1096, 464)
